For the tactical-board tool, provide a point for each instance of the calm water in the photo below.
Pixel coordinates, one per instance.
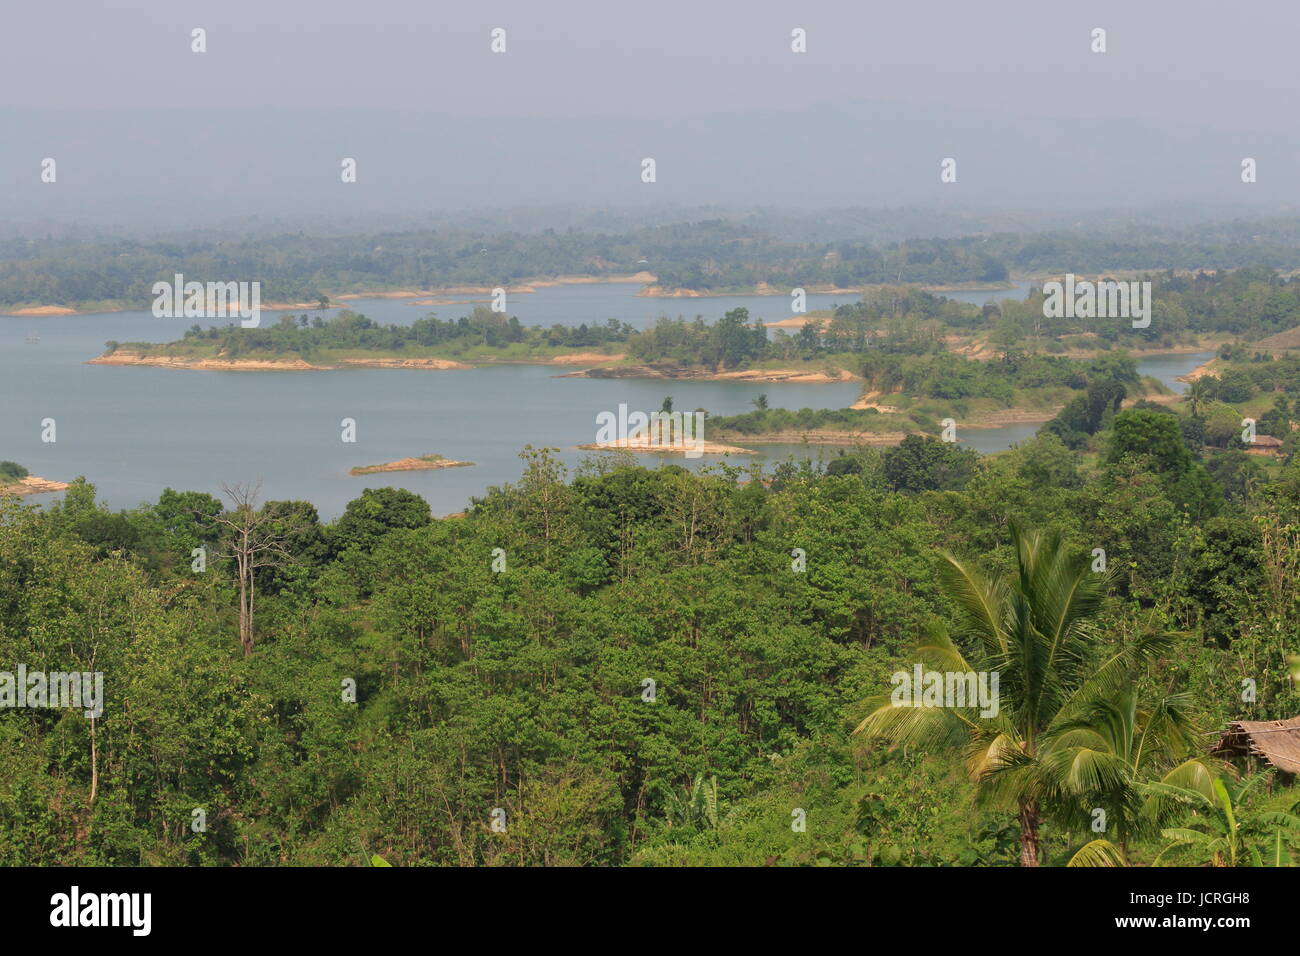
(599, 302)
(134, 431)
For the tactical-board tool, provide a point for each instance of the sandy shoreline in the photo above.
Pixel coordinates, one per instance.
(1201, 371)
(584, 358)
(647, 446)
(801, 376)
(822, 437)
(799, 321)
(121, 357)
(269, 365)
(42, 310)
(31, 485)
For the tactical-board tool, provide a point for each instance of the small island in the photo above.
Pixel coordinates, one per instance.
(421, 463)
(350, 340)
(15, 480)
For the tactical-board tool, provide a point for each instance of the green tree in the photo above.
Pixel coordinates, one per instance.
(923, 463)
(1037, 629)
(378, 511)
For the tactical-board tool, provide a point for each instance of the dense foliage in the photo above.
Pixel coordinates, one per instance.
(350, 331)
(709, 256)
(633, 665)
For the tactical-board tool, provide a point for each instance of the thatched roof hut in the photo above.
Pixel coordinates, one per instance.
(1264, 445)
(1276, 741)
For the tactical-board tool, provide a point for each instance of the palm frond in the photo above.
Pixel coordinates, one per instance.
(1098, 853)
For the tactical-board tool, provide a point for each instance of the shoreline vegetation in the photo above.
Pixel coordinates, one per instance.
(922, 360)
(650, 446)
(419, 463)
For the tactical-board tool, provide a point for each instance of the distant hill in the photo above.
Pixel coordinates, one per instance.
(1290, 339)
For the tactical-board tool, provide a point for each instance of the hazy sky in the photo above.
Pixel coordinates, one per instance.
(1216, 62)
(1009, 87)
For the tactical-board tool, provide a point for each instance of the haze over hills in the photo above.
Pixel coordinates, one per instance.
(178, 169)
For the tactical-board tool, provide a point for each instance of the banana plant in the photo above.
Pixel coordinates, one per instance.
(700, 807)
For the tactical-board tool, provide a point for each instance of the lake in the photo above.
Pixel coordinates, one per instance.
(134, 431)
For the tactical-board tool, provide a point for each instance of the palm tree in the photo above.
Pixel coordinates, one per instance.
(1036, 629)
(1198, 392)
(1104, 755)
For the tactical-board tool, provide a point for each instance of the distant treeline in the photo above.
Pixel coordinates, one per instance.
(350, 331)
(1249, 304)
(712, 255)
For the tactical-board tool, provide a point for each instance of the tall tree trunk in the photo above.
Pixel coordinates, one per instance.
(245, 609)
(1029, 844)
(94, 763)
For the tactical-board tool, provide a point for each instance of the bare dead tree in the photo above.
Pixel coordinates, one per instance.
(257, 540)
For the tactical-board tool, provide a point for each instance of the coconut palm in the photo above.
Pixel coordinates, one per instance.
(1198, 393)
(1222, 828)
(1103, 755)
(1053, 743)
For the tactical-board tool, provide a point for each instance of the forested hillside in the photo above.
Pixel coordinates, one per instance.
(707, 256)
(650, 666)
